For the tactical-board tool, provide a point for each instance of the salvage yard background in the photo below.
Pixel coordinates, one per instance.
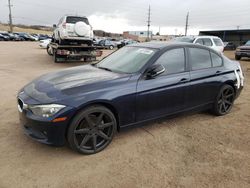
(194, 150)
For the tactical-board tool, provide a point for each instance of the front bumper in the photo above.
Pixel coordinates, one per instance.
(44, 130)
(242, 54)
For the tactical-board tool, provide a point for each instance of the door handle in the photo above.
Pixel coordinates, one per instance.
(184, 80)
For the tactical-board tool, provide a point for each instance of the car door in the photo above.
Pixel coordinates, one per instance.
(204, 76)
(165, 94)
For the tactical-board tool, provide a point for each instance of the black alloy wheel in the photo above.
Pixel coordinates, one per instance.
(92, 130)
(225, 100)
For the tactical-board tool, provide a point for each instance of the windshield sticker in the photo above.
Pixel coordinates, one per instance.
(145, 51)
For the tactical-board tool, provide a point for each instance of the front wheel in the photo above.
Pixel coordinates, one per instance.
(111, 47)
(92, 130)
(224, 101)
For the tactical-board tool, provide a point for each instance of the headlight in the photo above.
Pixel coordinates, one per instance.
(237, 49)
(45, 110)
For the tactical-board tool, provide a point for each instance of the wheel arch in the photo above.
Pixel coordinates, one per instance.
(106, 104)
(231, 83)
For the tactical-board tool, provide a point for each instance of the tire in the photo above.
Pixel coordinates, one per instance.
(92, 130)
(48, 51)
(237, 57)
(224, 101)
(111, 47)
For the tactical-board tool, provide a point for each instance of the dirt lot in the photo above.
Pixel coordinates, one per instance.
(197, 150)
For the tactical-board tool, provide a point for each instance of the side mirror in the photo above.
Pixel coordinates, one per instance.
(155, 70)
(54, 25)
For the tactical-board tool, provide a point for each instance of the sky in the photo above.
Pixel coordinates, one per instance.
(167, 16)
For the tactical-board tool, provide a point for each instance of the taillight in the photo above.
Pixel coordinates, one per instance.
(64, 25)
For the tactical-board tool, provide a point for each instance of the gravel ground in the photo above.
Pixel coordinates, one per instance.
(195, 150)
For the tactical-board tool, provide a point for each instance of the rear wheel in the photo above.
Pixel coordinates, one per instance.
(111, 47)
(92, 130)
(224, 101)
(237, 57)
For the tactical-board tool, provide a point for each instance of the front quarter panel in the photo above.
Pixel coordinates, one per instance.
(119, 94)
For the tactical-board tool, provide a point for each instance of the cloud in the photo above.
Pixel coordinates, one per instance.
(117, 16)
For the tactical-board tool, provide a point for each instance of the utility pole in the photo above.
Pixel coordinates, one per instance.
(149, 21)
(10, 17)
(186, 27)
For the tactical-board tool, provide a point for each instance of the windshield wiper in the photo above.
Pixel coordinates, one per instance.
(104, 68)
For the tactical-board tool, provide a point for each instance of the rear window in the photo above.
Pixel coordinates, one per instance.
(217, 42)
(74, 19)
(207, 42)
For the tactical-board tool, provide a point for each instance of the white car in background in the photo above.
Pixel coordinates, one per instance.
(73, 29)
(210, 41)
(44, 43)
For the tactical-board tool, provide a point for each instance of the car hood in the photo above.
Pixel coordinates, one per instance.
(73, 81)
(244, 47)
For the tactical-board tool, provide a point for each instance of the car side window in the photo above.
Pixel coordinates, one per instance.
(217, 42)
(207, 42)
(216, 60)
(199, 41)
(173, 60)
(199, 58)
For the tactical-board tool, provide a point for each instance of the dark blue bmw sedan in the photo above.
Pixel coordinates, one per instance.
(85, 105)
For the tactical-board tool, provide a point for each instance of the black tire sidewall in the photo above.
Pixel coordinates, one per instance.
(74, 124)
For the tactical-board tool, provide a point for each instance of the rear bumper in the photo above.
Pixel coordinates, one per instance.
(238, 92)
(67, 37)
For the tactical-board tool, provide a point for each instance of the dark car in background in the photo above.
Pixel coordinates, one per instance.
(229, 46)
(4, 37)
(43, 37)
(138, 83)
(26, 36)
(243, 51)
(125, 42)
(8, 35)
(106, 43)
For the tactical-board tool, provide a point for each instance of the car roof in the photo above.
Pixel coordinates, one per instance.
(204, 36)
(72, 15)
(200, 36)
(161, 45)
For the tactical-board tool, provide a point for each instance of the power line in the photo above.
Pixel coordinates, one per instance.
(10, 17)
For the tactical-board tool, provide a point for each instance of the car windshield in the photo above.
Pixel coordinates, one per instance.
(184, 39)
(248, 43)
(74, 19)
(127, 60)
